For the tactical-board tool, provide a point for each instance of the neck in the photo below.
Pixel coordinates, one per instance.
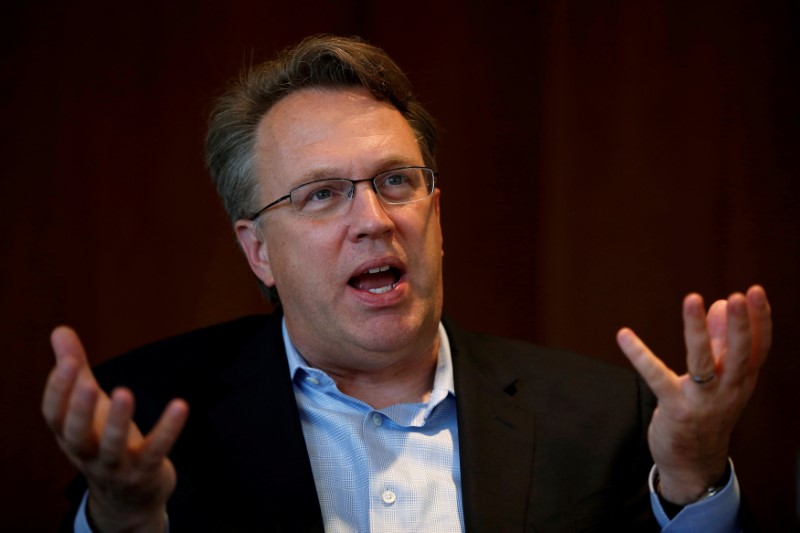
(409, 380)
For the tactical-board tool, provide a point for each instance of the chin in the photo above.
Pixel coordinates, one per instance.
(393, 333)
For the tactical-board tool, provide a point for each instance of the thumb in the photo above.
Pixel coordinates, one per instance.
(68, 348)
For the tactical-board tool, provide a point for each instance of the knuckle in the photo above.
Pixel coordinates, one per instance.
(109, 462)
(79, 451)
(683, 415)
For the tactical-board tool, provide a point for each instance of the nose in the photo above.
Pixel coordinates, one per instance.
(368, 216)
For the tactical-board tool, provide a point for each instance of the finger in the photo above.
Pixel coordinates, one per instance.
(57, 393)
(78, 431)
(70, 358)
(67, 346)
(114, 441)
(699, 359)
(160, 440)
(760, 324)
(655, 373)
(717, 322)
(737, 358)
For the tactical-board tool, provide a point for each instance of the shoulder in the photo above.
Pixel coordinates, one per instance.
(590, 417)
(199, 366)
(500, 355)
(536, 373)
(193, 357)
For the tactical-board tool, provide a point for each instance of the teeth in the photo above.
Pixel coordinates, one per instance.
(381, 290)
(384, 268)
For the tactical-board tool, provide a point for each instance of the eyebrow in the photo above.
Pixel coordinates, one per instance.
(332, 172)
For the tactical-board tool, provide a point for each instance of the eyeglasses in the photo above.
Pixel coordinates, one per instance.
(326, 197)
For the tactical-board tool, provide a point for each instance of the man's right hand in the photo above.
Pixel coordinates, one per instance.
(129, 475)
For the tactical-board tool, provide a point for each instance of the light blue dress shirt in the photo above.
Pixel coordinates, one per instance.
(397, 469)
(386, 470)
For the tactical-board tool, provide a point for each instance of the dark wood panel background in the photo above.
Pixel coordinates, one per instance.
(599, 161)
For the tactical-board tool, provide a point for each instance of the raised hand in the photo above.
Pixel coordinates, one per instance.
(129, 475)
(690, 431)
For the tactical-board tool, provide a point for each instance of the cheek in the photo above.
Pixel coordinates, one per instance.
(433, 232)
(424, 239)
(305, 257)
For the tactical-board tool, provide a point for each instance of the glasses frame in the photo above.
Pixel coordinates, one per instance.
(434, 177)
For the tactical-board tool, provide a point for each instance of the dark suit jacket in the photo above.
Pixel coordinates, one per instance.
(549, 441)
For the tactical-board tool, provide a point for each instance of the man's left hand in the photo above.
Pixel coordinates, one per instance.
(691, 427)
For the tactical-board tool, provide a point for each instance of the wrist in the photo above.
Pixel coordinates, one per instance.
(103, 518)
(686, 491)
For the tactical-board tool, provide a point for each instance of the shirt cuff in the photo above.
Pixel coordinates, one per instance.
(718, 513)
(81, 522)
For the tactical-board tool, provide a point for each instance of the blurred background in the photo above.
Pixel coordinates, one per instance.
(599, 161)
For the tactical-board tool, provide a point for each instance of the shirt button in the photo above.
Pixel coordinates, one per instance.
(312, 380)
(377, 419)
(389, 497)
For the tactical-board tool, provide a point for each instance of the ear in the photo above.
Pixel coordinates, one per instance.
(436, 194)
(254, 246)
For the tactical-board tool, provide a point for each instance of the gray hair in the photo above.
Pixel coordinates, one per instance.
(321, 61)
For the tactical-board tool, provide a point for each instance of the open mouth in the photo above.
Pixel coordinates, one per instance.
(378, 280)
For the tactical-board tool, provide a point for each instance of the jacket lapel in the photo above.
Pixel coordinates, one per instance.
(496, 441)
(256, 421)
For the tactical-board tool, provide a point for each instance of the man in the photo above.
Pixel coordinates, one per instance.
(353, 407)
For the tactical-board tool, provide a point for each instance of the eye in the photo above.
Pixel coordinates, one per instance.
(315, 193)
(395, 180)
(319, 196)
(400, 185)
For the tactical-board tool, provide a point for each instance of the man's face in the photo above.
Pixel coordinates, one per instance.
(321, 266)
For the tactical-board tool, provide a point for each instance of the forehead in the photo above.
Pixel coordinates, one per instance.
(344, 132)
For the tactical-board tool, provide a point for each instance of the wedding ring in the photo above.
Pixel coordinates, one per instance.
(702, 380)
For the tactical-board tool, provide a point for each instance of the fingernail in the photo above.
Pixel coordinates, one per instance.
(624, 338)
(695, 307)
(758, 296)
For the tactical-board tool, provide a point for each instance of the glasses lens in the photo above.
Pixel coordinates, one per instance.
(404, 185)
(331, 196)
(322, 197)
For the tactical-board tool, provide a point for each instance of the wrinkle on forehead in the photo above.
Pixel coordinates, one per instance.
(300, 133)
